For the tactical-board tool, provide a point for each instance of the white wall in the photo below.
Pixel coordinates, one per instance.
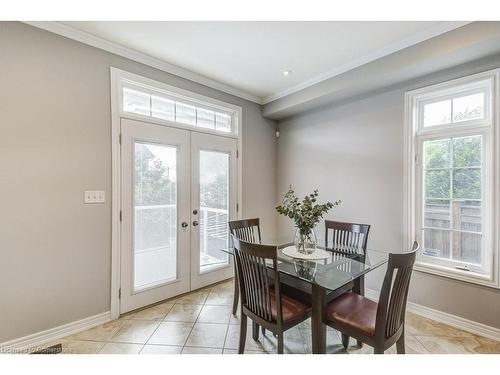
(354, 152)
(55, 143)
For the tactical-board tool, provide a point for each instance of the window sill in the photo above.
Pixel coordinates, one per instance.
(465, 276)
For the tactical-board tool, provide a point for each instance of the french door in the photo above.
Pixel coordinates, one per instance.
(178, 193)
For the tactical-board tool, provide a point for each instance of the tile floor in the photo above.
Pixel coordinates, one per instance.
(201, 323)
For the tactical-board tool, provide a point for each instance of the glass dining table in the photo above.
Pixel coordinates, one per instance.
(324, 279)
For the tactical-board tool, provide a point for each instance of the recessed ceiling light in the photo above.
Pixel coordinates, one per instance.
(286, 72)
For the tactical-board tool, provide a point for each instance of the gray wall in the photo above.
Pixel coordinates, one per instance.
(55, 143)
(354, 152)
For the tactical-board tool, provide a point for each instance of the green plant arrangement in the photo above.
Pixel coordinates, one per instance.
(306, 215)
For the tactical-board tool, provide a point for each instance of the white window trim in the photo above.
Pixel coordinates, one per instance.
(411, 124)
(119, 76)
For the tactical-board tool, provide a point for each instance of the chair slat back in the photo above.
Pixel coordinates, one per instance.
(346, 237)
(253, 277)
(247, 230)
(392, 302)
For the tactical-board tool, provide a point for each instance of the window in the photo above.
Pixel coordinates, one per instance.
(138, 99)
(451, 159)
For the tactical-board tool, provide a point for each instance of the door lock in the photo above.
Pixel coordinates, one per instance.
(184, 224)
(195, 223)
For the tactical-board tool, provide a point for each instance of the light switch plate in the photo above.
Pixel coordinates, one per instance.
(94, 196)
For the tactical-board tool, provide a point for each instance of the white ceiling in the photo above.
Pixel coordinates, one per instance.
(250, 56)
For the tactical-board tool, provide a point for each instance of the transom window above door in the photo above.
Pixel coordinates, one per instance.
(140, 99)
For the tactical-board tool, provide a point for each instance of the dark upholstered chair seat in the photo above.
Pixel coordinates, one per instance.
(353, 310)
(262, 302)
(292, 309)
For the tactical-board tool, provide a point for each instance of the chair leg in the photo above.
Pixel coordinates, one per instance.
(236, 294)
(345, 340)
(243, 333)
(255, 331)
(263, 331)
(378, 349)
(280, 343)
(400, 344)
(359, 343)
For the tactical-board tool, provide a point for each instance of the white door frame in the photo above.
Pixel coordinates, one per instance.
(117, 76)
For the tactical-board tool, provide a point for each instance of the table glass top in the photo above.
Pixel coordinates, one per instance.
(341, 267)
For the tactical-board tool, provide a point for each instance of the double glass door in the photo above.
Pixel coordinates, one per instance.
(178, 193)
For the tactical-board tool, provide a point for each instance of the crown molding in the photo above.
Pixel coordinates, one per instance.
(117, 49)
(94, 41)
(418, 37)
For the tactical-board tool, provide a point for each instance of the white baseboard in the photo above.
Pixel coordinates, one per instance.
(476, 328)
(38, 339)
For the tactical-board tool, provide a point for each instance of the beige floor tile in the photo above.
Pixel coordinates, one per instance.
(135, 331)
(195, 350)
(353, 349)
(120, 348)
(215, 314)
(413, 346)
(459, 345)
(195, 298)
(158, 312)
(220, 298)
(293, 342)
(233, 339)
(171, 333)
(235, 351)
(80, 347)
(103, 332)
(183, 313)
(227, 286)
(235, 319)
(127, 316)
(419, 326)
(161, 349)
(333, 343)
(208, 335)
(306, 324)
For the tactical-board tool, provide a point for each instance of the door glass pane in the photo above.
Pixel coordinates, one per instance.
(214, 205)
(155, 215)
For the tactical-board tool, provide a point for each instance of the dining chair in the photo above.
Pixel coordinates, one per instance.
(247, 230)
(376, 324)
(262, 302)
(347, 239)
